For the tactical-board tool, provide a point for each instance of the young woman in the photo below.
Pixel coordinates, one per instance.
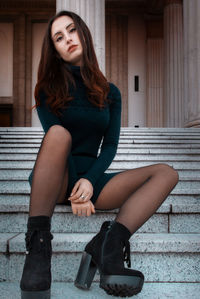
(78, 108)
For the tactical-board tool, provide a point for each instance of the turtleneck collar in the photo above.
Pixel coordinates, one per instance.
(75, 70)
(74, 67)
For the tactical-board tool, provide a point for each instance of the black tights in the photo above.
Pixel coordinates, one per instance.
(137, 192)
(50, 176)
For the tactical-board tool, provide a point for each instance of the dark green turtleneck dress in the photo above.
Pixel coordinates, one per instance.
(88, 125)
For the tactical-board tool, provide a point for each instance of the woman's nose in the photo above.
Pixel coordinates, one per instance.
(68, 38)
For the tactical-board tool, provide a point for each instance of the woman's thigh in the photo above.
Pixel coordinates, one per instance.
(121, 186)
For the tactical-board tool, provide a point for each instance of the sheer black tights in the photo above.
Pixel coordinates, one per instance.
(138, 193)
(50, 176)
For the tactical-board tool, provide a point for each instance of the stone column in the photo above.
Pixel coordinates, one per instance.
(191, 19)
(117, 58)
(173, 63)
(19, 70)
(93, 13)
(155, 82)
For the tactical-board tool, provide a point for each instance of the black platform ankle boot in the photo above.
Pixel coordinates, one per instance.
(36, 277)
(107, 251)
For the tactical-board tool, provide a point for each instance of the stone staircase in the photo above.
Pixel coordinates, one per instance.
(166, 248)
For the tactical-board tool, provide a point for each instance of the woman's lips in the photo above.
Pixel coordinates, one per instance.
(72, 48)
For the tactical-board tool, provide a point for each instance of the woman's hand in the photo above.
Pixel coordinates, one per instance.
(82, 191)
(83, 209)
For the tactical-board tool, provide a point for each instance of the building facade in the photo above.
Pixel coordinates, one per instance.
(149, 48)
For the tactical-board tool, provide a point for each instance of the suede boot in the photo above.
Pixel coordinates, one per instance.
(107, 251)
(36, 276)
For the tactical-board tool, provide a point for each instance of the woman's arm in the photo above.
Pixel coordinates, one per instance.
(110, 140)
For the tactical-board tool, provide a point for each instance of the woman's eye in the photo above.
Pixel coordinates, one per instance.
(73, 29)
(59, 38)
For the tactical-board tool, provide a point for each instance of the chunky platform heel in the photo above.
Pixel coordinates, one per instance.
(108, 251)
(86, 272)
(33, 295)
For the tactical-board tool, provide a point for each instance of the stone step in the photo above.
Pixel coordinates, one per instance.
(182, 165)
(130, 150)
(122, 136)
(128, 140)
(175, 203)
(23, 187)
(182, 172)
(23, 174)
(158, 130)
(119, 157)
(120, 146)
(67, 290)
(180, 198)
(123, 132)
(167, 129)
(166, 248)
(115, 165)
(174, 216)
(144, 133)
(168, 136)
(159, 141)
(161, 257)
(157, 146)
(16, 185)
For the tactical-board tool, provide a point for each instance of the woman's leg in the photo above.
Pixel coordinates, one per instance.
(49, 185)
(50, 177)
(138, 193)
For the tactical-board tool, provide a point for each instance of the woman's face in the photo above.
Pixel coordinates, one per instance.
(64, 36)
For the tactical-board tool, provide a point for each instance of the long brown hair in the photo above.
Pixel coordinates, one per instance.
(54, 77)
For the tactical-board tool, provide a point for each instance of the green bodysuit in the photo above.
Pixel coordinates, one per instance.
(88, 125)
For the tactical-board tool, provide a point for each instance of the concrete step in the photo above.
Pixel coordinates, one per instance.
(161, 257)
(115, 165)
(174, 216)
(123, 133)
(159, 146)
(17, 185)
(17, 175)
(67, 290)
(130, 150)
(23, 174)
(23, 187)
(126, 140)
(124, 129)
(119, 157)
(166, 248)
(120, 146)
(148, 133)
(175, 203)
(180, 166)
(122, 136)
(158, 141)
